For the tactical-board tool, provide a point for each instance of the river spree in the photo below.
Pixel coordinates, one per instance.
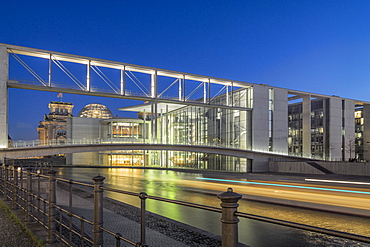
(170, 184)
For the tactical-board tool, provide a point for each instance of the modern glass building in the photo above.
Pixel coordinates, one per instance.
(260, 122)
(265, 120)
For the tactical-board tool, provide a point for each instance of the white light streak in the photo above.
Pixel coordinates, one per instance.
(335, 181)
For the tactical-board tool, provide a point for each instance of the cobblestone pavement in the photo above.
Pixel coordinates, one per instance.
(12, 232)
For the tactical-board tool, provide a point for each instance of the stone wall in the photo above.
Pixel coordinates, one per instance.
(342, 168)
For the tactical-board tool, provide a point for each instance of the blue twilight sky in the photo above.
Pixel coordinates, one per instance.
(319, 46)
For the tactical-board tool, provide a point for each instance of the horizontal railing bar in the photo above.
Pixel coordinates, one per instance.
(305, 227)
(189, 204)
(74, 215)
(74, 182)
(61, 238)
(214, 209)
(39, 175)
(120, 191)
(115, 235)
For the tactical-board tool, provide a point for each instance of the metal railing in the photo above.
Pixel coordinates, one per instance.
(34, 192)
(132, 140)
(99, 89)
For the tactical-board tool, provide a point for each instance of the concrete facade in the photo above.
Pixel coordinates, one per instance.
(306, 126)
(260, 118)
(280, 121)
(349, 128)
(342, 168)
(83, 128)
(335, 119)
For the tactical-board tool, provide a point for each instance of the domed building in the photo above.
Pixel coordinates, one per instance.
(95, 110)
(53, 127)
(96, 122)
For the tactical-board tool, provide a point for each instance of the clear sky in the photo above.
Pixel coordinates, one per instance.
(318, 46)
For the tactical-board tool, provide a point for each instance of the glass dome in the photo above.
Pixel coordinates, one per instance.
(95, 111)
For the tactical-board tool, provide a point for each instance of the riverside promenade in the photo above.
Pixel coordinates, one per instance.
(118, 217)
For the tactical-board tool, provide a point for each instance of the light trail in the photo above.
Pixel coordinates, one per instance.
(335, 181)
(285, 185)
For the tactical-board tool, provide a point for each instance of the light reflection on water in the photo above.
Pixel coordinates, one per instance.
(163, 184)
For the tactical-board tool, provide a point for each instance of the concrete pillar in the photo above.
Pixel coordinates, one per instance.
(280, 121)
(260, 118)
(366, 134)
(334, 128)
(306, 125)
(3, 97)
(154, 94)
(349, 127)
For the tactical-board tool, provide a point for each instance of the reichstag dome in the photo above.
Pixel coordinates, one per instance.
(95, 111)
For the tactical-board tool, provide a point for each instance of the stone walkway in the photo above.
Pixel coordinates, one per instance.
(12, 232)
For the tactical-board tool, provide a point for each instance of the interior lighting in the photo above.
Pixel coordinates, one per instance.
(285, 185)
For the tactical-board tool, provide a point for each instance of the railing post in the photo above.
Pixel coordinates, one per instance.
(229, 204)
(142, 197)
(38, 190)
(98, 211)
(52, 201)
(21, 192)
(6, 169)
(82, 228)
(15, 187)
(70, 209)
(29, 195)
(118, 239)
(2, 179)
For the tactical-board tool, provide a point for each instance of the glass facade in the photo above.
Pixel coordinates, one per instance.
(317, 129)
(266, 124)
(206, 126)
(295, 129)
(359, 134)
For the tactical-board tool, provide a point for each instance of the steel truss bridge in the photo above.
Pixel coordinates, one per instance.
(36, 69)
(132, 81)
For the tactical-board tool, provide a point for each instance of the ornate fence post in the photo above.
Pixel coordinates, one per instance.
(2, 179)
(6, 194)
(52, 201)
(15, 187)
(98, 211)
(21, 192)
(229, 204)
(142, 197)
(29, 195)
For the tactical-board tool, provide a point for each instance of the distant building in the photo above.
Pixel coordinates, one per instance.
(96, 122)
(53, 127)
(95, 111)
(10, 141)
(125, 130)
